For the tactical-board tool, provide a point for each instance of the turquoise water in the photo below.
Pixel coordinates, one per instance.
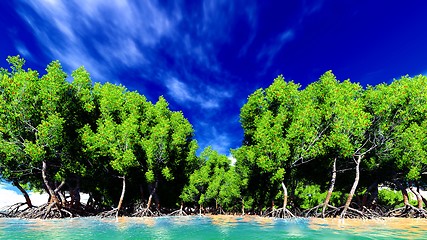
(209, 228)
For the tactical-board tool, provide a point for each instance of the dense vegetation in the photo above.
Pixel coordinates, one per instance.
(332, 148)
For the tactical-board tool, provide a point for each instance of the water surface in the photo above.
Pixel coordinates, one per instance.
(212, 227)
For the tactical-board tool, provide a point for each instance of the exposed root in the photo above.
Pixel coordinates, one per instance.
(48, 210)
(279, 213)
(332, 212)
(372, 213)
(179, 212)
(51, 210)
(109, 213)
(354, 213)
(67, 212)
(13, 210)
(219, 210)
(365, 213)
(146, 212)
(54, 210)
(407, 211)
(313, 212)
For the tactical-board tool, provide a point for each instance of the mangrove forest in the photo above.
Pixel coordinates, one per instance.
(329, 149)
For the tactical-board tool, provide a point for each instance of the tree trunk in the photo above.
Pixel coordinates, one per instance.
(373, 186)
(122, 196)
(285, 197)
(422, 197)
(75, 197)
(26, 196)
(150, 198)
(152, 193)
(419, 198)
(51, 192)
(353, 188)
(59, 193)
(62, 197)
(75, 194)
(90, 200)
(331, 187)
(405, 195)
(243, 206)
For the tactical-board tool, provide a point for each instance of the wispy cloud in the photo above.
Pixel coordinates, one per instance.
(210, 98)
(310, 7)
(165, 45)
(274, 47)
(252, 19)
(23, 50)
(98, 34)
(179, 90)
(218, 140)
(271, 49)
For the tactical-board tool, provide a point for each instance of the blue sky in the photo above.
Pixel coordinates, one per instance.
(206, 57)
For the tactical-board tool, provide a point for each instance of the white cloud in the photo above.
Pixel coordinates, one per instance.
(220, 141)
(101, 35)
(23, 50)
(179, 90)
(207, 98)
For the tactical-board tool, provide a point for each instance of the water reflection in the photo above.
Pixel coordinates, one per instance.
(389, 227)
(213, 227)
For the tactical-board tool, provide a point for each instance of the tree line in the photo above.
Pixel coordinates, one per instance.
(332, 148)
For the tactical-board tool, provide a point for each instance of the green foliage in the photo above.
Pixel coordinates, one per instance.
(117, 135)
(385, 125)
(215, 181)
(95, 132)
(390, 198)
(87, 131)
(400, 110)
(33, 119)
(82, 86)
(311, 195)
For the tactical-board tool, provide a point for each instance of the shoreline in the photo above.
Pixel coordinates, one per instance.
(3, 215)
(20, 210)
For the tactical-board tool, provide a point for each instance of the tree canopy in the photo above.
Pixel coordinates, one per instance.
(330, 148)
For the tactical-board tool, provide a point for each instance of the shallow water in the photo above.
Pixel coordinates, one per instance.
(212, 227)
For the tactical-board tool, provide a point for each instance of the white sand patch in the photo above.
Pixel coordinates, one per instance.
(9, 197)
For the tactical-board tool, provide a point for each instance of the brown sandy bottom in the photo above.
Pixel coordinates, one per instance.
(183, 220)
(406, 228)
(412, 226)
(405, 224)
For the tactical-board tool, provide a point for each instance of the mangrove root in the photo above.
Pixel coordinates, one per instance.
(407, 211)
